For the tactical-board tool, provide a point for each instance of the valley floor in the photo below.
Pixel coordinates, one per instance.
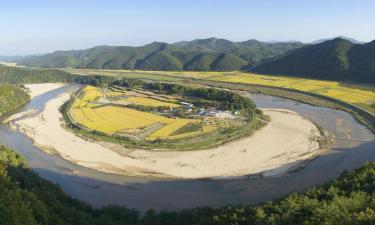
(285, 141)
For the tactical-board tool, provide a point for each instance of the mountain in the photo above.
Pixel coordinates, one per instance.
(210, 54)
(9, 58)
(336, 59)
(352, 40)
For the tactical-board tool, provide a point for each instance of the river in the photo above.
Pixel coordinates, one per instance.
(354, 146)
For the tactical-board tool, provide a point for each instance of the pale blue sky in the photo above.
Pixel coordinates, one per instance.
(39, 26)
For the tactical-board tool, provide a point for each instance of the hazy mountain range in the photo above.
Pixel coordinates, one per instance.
(336, 59)
(211, 54)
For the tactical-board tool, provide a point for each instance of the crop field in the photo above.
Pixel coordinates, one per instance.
(90, 94)
(150, 102)
(205, 129)
(167, 132)
(169, 129)
(360, 95)
(111, 119)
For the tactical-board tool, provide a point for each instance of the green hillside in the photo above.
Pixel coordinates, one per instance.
(201, 62)
(11, 97)
(205, 54)
(21, 75)
(18, 75)
(337, 59)
(227, 62)
(159, 61)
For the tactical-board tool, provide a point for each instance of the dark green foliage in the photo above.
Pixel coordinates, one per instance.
(252, 51)
(18, 75)
(228, 62)
(336, 59)
(362, 62)
(26, 199)
(11, 97)
(10, 157)
(159, 61)
(201, 62)
(207, 54)
(129, 83)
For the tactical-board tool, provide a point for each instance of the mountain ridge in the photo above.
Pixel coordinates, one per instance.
(199, 54)
(337, 59)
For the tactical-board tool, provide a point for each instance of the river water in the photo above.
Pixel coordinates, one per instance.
(354, 146)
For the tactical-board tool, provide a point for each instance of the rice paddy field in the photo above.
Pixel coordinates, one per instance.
(361, 96)
(357, 94)
(93, 111)
(150, 102)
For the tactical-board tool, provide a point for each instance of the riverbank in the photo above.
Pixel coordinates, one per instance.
(287, 140)
(35, 90)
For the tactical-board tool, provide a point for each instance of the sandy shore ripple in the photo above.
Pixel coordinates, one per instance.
(285, 141)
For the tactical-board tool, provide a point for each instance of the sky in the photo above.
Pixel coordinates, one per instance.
(41, 26)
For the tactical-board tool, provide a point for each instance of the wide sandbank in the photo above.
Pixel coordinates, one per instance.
(287, 140)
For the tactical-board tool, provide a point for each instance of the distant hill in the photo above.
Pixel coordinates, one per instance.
(210, 54)
(10, 58)
(336, 59)
(352, 40)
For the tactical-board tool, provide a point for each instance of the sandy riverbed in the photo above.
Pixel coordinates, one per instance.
(287, 140)
(35, 90)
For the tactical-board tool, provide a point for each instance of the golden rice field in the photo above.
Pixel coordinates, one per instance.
(114, 93)
(150, 102)
(359, 95)
(90, 94)
(169, 129)
(111, 119)
(363, 97)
